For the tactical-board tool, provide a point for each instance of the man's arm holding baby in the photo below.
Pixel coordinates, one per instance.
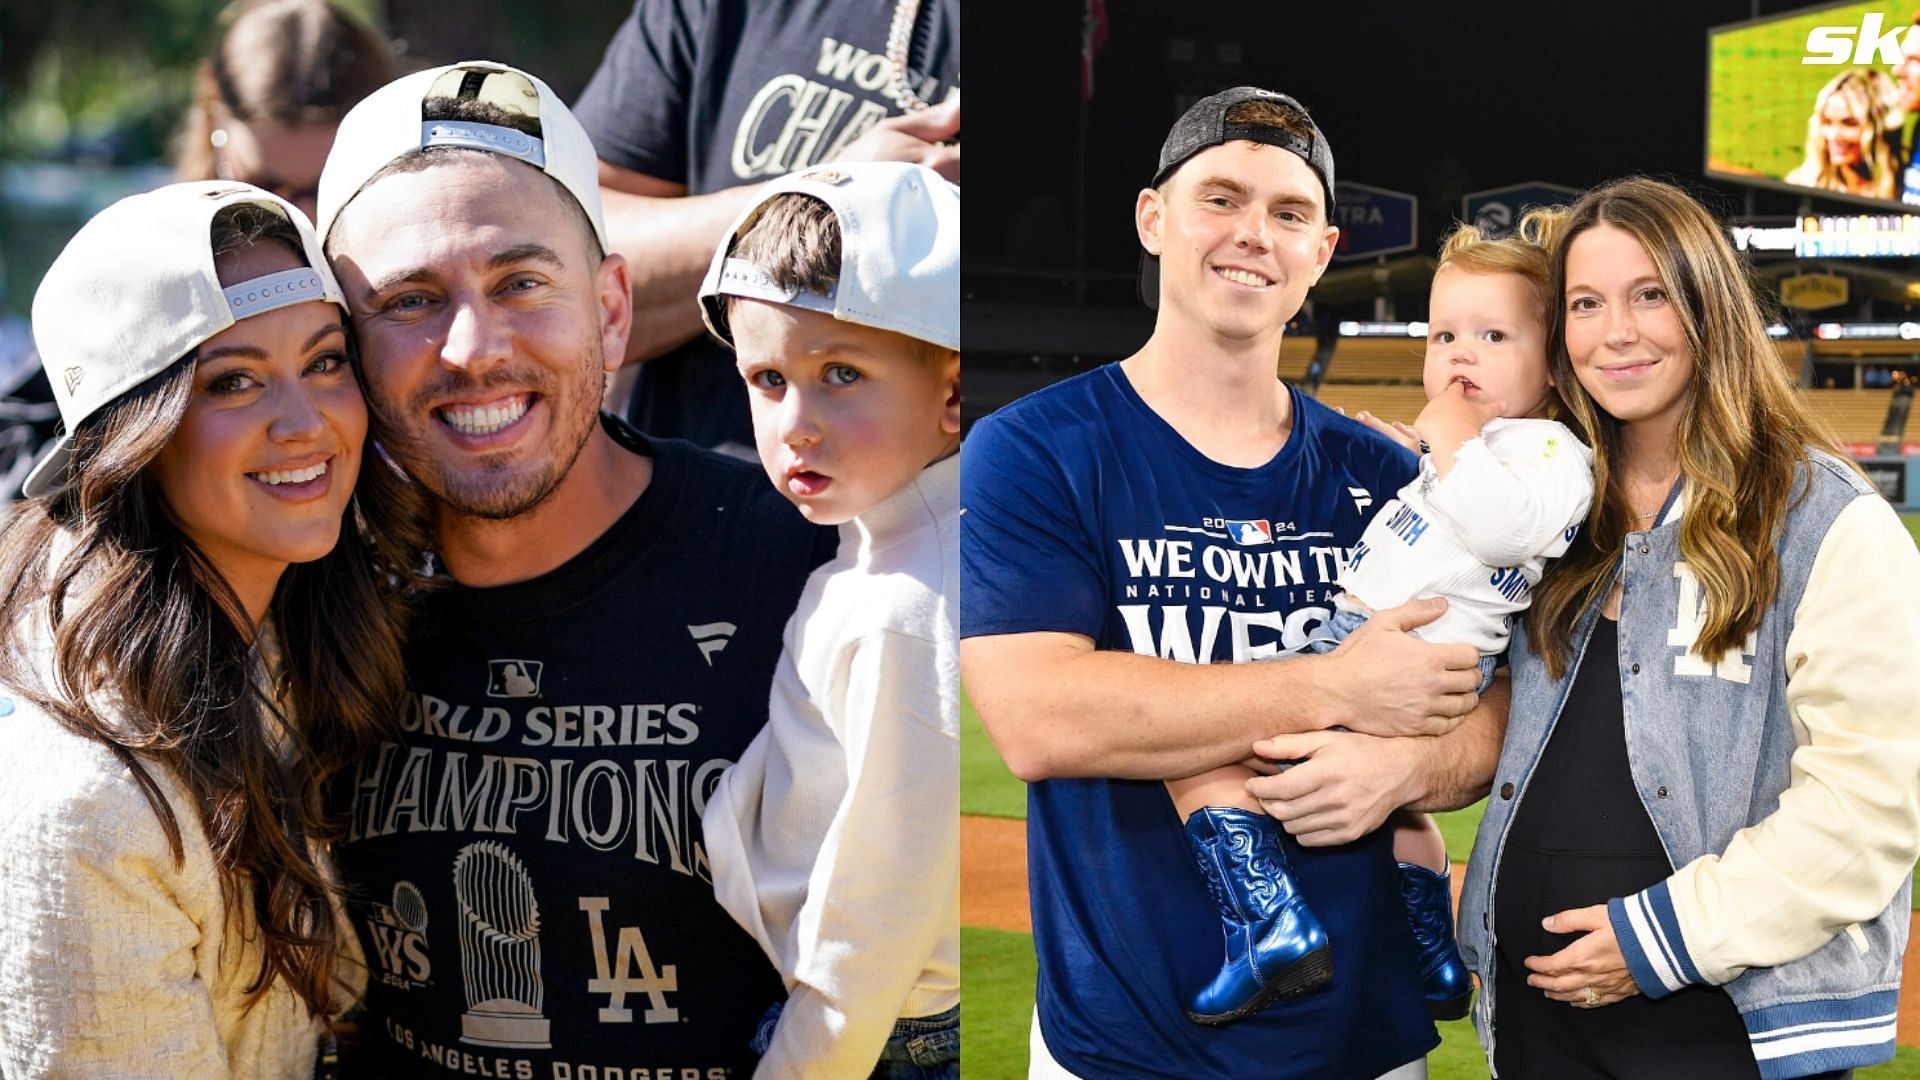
(1345, 783)
(1057, 707)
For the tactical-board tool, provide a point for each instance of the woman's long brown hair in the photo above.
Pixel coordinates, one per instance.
(1742, 441)
(154, 657)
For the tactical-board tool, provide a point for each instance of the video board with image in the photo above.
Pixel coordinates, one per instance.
(1824, 98)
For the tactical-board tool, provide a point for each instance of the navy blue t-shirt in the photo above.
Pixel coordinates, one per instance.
(717, 93)
(525, 863)
(1086, 513)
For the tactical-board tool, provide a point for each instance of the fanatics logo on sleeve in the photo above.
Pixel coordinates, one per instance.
(1362, 498)
(513, 678)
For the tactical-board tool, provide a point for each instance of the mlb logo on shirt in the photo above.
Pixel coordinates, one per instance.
(1249, 533)
(513, 678)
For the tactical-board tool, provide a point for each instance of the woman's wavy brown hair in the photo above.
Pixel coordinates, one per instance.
(1743, 437)
(155, 658)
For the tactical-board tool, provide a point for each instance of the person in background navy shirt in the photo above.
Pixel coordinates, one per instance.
(695, 104)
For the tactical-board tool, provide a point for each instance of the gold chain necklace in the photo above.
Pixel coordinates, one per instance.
(899, 40)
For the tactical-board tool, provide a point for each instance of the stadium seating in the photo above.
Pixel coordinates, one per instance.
(1377, 360)
(1791, 353)
(1853, 416)
(1296, 352)
(1399, 402)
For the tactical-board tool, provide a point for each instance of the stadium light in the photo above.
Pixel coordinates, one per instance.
(1383, 329)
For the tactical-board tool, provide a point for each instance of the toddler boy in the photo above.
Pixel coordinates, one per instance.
(835, 839)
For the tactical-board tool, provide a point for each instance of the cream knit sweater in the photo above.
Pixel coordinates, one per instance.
(115, 960)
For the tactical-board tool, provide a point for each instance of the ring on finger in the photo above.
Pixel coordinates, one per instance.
(1589, 996)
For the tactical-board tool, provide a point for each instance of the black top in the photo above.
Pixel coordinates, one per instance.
(1581, 797)
(1580, 837)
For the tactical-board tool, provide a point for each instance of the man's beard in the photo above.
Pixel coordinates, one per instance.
(487, 490)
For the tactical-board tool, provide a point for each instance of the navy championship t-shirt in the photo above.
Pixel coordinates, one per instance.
(1086, 513)
(525, 862)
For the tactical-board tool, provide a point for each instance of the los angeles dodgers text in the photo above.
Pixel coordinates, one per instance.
(501, 1067)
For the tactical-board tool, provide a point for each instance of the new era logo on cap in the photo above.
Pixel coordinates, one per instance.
(489, 137)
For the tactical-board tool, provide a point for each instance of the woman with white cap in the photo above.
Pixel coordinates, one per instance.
(198, 622)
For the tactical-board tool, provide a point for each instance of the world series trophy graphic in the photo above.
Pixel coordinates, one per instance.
(499, 949)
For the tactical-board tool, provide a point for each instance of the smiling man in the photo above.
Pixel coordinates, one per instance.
(1130, 538)
(528, 877)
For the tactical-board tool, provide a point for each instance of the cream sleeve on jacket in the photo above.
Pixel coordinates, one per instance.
(867, 929)
(98, 949)
(1847, 830)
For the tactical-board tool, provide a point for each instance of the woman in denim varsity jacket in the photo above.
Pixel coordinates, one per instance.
(1768, 606)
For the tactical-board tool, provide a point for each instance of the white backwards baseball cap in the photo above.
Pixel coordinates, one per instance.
(135, 290)
(388, 123)
(899, 252)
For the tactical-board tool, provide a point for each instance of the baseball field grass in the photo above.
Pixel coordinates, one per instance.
(997, 966)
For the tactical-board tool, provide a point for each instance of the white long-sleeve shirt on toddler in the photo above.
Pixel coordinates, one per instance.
(1479, 536)
(835, 841)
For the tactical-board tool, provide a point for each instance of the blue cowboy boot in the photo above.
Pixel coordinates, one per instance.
(1275, 946)
(1443, 975)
